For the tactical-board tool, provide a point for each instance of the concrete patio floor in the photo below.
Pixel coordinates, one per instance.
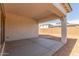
(33, 47)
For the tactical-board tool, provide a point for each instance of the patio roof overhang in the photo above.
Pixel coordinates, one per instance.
(38, 11)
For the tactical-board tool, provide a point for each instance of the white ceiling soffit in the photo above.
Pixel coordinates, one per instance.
(63, 7)
(32, 10)
(58, 5)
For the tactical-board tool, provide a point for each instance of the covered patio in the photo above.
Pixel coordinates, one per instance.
(24, 39)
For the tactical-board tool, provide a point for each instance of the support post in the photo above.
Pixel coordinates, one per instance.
(63, 29)
(2, 28)
(2, 23)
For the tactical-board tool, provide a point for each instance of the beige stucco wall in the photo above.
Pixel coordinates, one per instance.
(0, 27)
(19, 27)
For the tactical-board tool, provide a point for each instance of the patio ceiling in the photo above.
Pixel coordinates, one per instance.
(36, 11)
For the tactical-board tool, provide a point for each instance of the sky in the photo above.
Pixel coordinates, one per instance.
(72, 17)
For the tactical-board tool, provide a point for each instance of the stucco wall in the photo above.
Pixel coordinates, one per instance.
(0, 27)
(19, 27)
